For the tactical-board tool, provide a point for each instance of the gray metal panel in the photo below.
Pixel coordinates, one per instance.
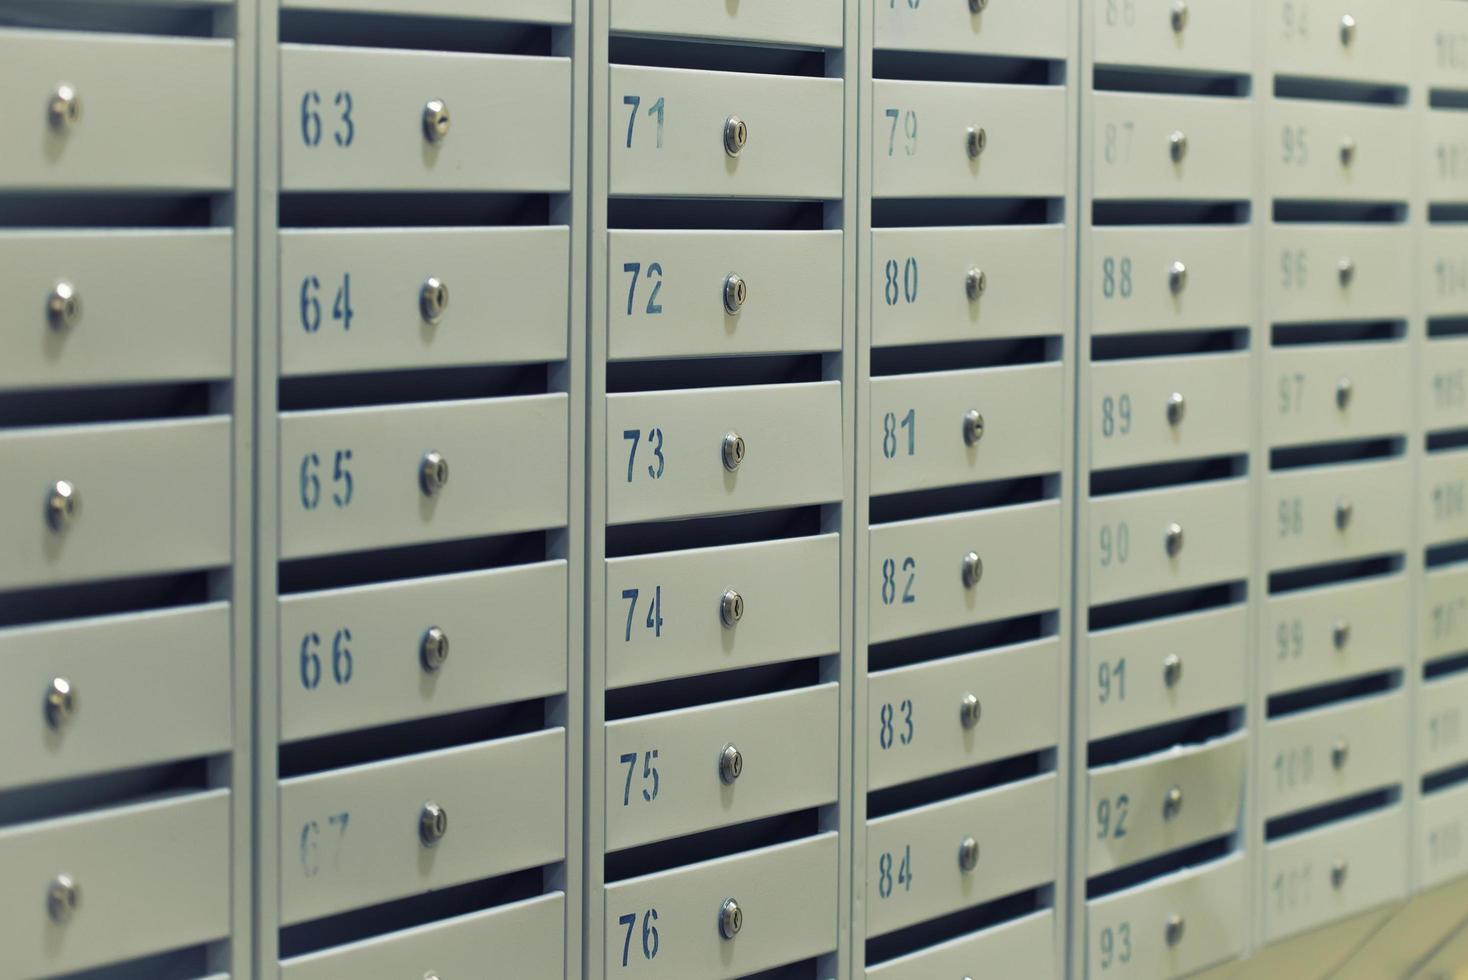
(119, 140)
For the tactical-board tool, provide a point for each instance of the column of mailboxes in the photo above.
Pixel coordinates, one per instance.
(423, 603)
(1167, 433)
(722, 467)
(120, 802)
(1335, 523)
(964, 448)
(1440, 834)
(720, 483)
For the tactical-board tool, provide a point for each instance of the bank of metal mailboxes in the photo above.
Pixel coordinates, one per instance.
(635, 488)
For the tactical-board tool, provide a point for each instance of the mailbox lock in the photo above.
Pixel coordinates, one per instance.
(435, 121)
(62, 503)
(63, 306)
(1345, 271)
(433, 473)
(1172, 803)
(1177, 277)
(1173, 931)
(968, 854)
(736, 291)
(1348, 30)
(1174, 540)
(61, 703)
(63, 896)
(434, 650)
(1338, 873)
(736, 136)
(731, 608)
(1179, 16)
(733, 450)
(1343, 511)
(731, 764)
(1343, 391)
(975, 140)
(1348, 151)
(731, 919)
(975, 283)
(1177, 145)
(973, 569)
(973, 427)
(1340, 751)
(1172, 669)
(433, 824)
(969, 710)
(1340, 634)
(64, 108)
(433, 300)
(1177, 408)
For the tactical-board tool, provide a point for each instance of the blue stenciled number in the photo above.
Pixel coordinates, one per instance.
(310, 831)
(654, 276)
(341, 656)
(310, 482)
(888, 733)
(1111, 817)
(650, 780)
(889, 581)
(890, 425)
(311, 119)
(341, 478)
(633, 436)
(636, 269)
(653, 306)
(885, 879)
(341, 659)
(1116, 945)
(649, 771)
(654, 440)
(656, 109)
(310, 661)
(310, 305)
(634, 101)
(311, 842)
(909, 122)
(346, 130)
(649, 934)
(631, 596)
(342, 308)
(654, 611)
(901, 281)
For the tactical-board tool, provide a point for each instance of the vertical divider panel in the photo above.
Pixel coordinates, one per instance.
(245, 22)
(594, 933)
(266, 498)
